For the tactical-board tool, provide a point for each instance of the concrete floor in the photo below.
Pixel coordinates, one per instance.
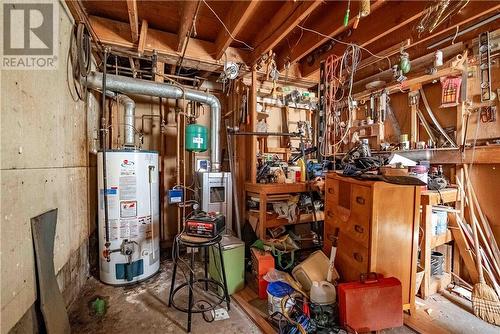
(143, 307)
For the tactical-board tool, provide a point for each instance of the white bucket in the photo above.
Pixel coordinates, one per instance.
(275, 296)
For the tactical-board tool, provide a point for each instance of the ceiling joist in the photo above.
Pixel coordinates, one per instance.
(235, 20)
(133, 18)
(188, 15)
(288, 17)
(199, 54)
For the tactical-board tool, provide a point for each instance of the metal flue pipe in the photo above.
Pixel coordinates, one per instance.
(128, 85)
(128, 119)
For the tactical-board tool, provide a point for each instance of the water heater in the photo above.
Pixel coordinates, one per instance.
(132, 197)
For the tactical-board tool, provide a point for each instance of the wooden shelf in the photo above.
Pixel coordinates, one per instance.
(442, 239)
(272, 220)
(434, 197)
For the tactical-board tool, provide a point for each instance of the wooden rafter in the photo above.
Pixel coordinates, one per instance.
(375, 27)
(475, 12)
(143, 37)
(330, 25)
(235, 20)
(133, 18)
(188, 13)
(287, 18)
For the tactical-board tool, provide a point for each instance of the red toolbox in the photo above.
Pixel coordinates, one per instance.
(374, 303)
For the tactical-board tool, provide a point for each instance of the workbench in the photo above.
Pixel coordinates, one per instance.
(266, 220)
(428, 198)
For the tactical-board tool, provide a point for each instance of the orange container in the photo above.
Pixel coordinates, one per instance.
(262, 261)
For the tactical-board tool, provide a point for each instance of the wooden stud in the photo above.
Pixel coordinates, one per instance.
(238, 15)
(114, 126)
(133, 18)
(287, 18)
(143, 37)
(185, 23)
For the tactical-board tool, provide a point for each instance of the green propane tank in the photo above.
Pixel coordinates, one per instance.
(196, 138)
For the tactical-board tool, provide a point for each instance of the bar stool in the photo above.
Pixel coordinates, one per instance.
(183, 239)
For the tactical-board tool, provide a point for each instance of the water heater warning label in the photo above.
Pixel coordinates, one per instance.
(128, 187)
(128, 209)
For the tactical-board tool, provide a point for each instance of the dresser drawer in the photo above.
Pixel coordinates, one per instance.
(361, 203)
(351, 256)
(359, 230)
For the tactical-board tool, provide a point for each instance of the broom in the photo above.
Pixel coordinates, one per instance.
(485, 302)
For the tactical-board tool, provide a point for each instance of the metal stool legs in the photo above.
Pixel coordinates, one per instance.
(190, 287)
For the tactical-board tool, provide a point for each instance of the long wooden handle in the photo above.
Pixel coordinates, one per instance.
(474, 227)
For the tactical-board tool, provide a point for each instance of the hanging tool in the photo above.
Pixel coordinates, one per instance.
(488, 114)
(485, 66)
(393, 119)
(372, 106)
(382, 106)
(346, 16)
(434, 120)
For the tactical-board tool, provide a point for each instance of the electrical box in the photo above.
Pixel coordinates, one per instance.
(174, 196)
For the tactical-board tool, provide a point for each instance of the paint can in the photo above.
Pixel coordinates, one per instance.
(404, 143)
(420, 172)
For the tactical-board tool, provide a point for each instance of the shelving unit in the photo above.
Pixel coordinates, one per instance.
(429, 198)
(266, 220)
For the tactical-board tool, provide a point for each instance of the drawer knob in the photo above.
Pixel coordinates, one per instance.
(330, 191)
(358, 257)
(359, 228)
(360, 200)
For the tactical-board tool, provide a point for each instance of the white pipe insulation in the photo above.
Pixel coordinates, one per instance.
(128, 85)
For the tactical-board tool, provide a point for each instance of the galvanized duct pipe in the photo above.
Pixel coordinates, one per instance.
(128, 119)
(142, 87)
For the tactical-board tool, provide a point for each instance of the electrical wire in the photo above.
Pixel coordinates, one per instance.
(345, 43)
(227, 30)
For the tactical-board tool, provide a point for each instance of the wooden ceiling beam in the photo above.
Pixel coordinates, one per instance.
(373, 28)
(143, 37)
(187, 17)
(287, 18)
(199, 54)
(235, 20)
(331, 25)
(133, 18)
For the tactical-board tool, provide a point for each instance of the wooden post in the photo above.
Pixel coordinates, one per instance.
(252, 106)
(425, 254)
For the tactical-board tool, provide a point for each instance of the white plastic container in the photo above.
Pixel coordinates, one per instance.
(323, 293)
(133, 216)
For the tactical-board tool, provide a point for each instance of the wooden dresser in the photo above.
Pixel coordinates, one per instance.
(377, 227)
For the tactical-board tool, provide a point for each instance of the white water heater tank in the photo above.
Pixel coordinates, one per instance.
(133, 216)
